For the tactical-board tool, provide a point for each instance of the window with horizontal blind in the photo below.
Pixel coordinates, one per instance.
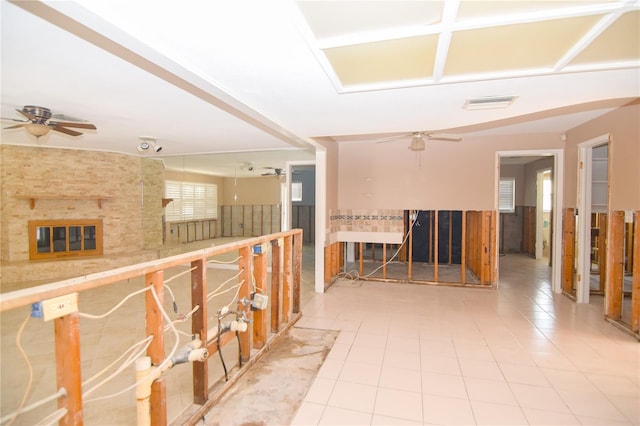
(191, 200)
(507, 195)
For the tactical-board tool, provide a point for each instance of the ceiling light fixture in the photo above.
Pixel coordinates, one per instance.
(37, 129)
(417, 143)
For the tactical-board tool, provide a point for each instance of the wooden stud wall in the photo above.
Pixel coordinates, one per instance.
(479, 244)
(67, 327)
(478, 249)
(334, 261)
(249, 220)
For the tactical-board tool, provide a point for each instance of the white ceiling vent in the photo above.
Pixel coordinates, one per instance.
(489, 102)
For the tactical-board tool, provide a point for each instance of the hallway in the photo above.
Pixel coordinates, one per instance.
(417, 354)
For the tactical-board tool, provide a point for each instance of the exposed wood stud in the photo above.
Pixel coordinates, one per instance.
(244, 266)
(155, 327)
(410, 248)
(68, 372)
(297, 272)
(361, 258)
(260, 316)
(568, 249)
(200, 370)
(435, 246)
(450, 236)
(287, 278)
(463, 250)
(384, 260)
(615, 266)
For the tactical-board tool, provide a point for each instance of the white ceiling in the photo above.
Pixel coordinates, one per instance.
(241, 76)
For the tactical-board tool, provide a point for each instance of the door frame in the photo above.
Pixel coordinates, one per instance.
(585, 173)
(557, 207)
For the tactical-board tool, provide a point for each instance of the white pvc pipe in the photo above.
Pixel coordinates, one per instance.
(143, 391)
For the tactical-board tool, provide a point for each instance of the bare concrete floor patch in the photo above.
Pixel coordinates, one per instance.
(273, 389)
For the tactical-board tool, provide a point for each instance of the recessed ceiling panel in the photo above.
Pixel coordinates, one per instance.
(328, 19)
(619, 42)
(536, 45)
(497, 9)
(385, 61)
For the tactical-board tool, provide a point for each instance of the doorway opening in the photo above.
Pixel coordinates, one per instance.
(544, 201)
(527, 226)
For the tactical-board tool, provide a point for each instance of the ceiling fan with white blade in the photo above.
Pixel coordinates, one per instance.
(276, 172)
(417, 139)
(40, 121)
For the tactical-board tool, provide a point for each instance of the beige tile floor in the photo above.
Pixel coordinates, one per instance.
(417, 354)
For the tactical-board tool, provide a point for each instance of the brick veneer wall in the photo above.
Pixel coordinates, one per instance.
(132, 217)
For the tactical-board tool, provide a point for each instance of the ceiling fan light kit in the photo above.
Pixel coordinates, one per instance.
(417, 143)
(37, 129)
(40, 121)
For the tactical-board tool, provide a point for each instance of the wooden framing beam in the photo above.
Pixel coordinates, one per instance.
(297, 273)
(450, 236)
(435, 245)
(275, 286)
(68, 373)
(568, 249)
(361, 258)
(244, 266)
(200, 370)
(155, 327)
(287, 278)
(410, 248)
(615, 266)
(430, 236)
(384, 260)
(260, 316)
(463, 250)
(327, 264)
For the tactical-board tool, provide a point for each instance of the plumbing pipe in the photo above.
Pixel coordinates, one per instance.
(192, 351)
(143, 391)
(239, 326)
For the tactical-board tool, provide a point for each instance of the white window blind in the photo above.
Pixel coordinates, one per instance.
(191, 200)
(296, 191)
(507, 195)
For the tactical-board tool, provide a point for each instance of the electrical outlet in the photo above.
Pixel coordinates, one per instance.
(59, 306)
(259, 301)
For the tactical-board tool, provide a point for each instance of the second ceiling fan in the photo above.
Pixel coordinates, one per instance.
(417, 139)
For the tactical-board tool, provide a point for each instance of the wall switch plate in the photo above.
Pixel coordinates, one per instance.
(59, 306)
